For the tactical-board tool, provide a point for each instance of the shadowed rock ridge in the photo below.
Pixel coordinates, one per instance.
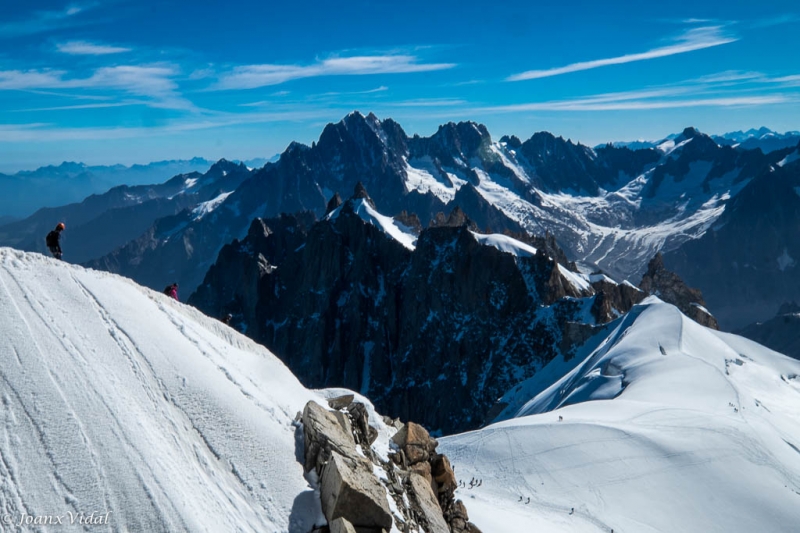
(435, 334)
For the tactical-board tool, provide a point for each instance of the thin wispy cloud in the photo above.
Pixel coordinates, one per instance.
(43, 21)
(788, 81)
(201, 74)
(152, 81)
(73, 95)
(80, 106)
(330, 96)
(691, 40)
(380, 89)
(730, 76)
(640, 105)
(722, 89)
(44, 132)
(429, 102)
(87, 48)
(30, 79)
(254, 76)
(777, 20)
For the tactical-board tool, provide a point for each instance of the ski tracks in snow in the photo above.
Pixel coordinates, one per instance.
(69, 429)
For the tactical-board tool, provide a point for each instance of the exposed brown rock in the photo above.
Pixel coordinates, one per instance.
(367, 433)
(458, 517)
(455, 219)
(575, 334)
(340, 402)
(355, 500)
(323, 433)
(670, 288)
(424, 469)
(333, 203)
(443, 474)
(613, 299)
(344, 421)
(349, 489)
(410, 220)
(416, 443)
(341, 525)
(427, 505)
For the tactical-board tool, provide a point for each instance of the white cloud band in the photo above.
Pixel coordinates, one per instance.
(689, 41)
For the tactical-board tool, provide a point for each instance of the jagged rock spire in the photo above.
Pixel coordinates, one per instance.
(672, 289)
(333, 203)
(455, 219)
(360, 191)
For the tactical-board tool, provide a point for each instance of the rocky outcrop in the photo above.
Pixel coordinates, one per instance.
(356, 482)
(341, 525)
(349, 490)
(670, 288)
(234, 282)
(611, 297)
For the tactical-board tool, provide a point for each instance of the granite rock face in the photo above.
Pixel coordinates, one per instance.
(350, 490)
(357, 480)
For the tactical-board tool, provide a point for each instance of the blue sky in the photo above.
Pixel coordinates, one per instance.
(120, 81)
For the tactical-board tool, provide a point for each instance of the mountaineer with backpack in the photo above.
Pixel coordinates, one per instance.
(172, 291)
(53, 240)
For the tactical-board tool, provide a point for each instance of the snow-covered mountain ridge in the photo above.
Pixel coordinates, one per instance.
(661, 426)
(762, 138)
(116, 398)
(613, 207)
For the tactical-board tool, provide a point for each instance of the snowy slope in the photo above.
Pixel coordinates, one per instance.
(667, 426)
(388, 225)
(116, 398)
(506, 244)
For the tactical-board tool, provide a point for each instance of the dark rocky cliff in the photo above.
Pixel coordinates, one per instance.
(671, 288)
(434, 334)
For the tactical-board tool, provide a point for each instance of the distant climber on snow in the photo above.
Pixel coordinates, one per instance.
(53, 240)
(172, 291)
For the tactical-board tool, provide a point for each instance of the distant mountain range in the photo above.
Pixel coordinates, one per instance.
(26, 191)
(610, 208)
(762, 138)
(103, 222)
